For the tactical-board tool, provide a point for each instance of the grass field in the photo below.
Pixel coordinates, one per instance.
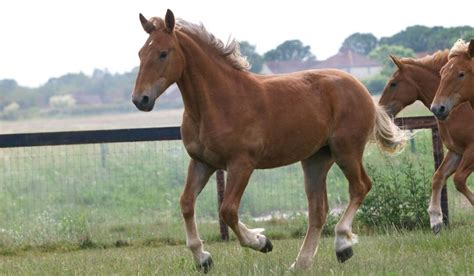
(392, 253)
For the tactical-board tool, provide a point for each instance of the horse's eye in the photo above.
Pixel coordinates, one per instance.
(163, 55)
(393, 84)
(461, 75)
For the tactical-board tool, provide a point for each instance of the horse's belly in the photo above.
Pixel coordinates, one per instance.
(266, 147)
(293, 149)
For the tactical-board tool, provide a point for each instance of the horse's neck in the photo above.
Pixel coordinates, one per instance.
(206, 84)
(426, 75)
(427, 82)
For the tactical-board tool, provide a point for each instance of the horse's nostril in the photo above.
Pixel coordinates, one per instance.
(442, 109)
(145, 100)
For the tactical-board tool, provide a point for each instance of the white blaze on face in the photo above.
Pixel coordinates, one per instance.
(151, 42)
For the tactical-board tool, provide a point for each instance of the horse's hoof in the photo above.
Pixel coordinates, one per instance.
(344, 255)
(206, 265)
(436, 228)
(268, 246)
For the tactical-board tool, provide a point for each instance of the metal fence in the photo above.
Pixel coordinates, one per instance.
(64, 182)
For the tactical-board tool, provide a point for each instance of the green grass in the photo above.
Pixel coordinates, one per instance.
(393, 253)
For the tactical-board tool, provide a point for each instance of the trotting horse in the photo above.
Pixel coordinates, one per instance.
(239, 121)
(452, 106)
(418, 79)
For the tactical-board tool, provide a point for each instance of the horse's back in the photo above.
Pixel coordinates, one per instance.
(329, 95)
(320, 86)
(309, 108)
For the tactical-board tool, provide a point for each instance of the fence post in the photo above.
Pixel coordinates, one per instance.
(438, 156)
(220, 181)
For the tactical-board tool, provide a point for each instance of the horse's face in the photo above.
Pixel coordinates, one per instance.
(399, 91)
(456, 85)
(161, 61)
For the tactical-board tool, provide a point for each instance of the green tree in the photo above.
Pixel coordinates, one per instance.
(467, 35)
(425, 39)
(414, 37)
(361, 43)
(383, 52)
(289, 50)
(253, 57)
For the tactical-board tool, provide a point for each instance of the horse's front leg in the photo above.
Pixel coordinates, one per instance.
(238, 175)
(447, 168)
(197, 178)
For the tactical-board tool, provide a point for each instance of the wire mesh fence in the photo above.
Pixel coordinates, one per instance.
(127, 191)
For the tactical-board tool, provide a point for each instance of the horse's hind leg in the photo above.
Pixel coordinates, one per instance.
(447, 168)
(315, 171)
(198, 175)
(465, 168)
(238, 175)
(348, 156)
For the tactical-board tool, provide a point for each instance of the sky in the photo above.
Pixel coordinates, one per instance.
(49, 38)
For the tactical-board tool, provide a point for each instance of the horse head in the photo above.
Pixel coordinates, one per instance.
(161, 61)
(457, 80)
(399, 90)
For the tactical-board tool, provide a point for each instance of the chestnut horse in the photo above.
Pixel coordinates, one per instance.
(418, 79)
(414, 79)
(457, 131)
(239, 121)
(456, 88)
(457, 80)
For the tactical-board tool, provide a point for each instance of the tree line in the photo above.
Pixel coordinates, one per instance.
(113, 90)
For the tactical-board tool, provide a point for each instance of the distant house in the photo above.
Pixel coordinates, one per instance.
(356, 64)
(287, 66)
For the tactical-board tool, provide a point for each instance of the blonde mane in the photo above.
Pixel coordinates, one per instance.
(459, 48)
(230, 50)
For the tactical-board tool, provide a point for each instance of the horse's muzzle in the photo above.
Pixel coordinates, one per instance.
(440, 111)
(143, 103)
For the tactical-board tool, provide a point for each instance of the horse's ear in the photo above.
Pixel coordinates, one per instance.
(147, 25)
(470, 50)
(169, 21)
(397, 62)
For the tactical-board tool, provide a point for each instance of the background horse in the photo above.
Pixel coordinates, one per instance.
(239, 121)
(414, 79)
(418, 79)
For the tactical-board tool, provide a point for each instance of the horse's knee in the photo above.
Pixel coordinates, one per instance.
(228, 213)
(187, 207)
(437, 178)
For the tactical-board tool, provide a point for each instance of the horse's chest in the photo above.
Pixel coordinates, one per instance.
(457, 131)
(203, 147)
(456, 137)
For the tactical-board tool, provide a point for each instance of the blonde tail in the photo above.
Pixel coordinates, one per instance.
(389, 136)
